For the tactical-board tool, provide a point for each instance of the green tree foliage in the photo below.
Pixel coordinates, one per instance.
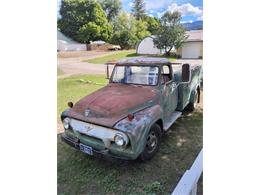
(84, 21)
(153, 24)
(141, 29)
(128, 31)
(138, 9)
(171, 33)
(111, 7)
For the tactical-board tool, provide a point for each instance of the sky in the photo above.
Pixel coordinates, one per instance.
(191, 10)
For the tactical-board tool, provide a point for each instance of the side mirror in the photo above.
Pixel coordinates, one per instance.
(185, 76)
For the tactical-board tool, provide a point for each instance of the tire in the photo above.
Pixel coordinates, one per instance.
(152, 143)
(192, 105)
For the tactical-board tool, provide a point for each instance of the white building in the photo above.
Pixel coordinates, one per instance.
(146, 46)
(66, 44)
(192, 48)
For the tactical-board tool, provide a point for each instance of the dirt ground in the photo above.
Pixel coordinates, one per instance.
(71, 63)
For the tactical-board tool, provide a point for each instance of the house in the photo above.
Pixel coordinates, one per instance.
(65, 43)
(191, 49)
(193, 46)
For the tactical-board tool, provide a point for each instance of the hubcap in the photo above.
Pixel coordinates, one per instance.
(151, 142)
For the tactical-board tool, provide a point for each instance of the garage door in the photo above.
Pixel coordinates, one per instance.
(191, 50)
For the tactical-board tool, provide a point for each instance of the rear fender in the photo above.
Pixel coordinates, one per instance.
(194, 92)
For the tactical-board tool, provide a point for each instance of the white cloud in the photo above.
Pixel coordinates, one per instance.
(185, 9)
(155, 4)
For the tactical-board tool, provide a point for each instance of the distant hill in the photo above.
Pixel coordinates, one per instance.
(194, 25)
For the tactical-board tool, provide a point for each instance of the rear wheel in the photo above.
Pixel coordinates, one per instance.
(152, 143)
(192, 105)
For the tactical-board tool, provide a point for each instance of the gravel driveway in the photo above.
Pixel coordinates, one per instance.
(71, 63)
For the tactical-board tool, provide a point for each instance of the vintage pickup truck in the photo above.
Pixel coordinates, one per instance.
(127, 118)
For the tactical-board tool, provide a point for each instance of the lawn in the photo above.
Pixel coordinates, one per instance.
(75, 87)
(115, 56)
(118, 56)
(82, 174)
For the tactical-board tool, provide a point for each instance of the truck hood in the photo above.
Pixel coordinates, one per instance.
(112, 103)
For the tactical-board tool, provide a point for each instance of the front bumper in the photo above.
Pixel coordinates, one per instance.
(103, 153)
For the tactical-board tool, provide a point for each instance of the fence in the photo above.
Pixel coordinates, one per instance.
(188, 183)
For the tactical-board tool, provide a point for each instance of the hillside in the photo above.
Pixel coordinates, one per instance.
(194, 25)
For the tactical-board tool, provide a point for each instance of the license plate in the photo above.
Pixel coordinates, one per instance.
(86, 149)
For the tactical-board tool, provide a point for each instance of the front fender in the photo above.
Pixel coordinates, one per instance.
(64, 114)
(138, 129)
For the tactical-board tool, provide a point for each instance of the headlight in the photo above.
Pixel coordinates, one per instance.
(119, 140)
(66, 123)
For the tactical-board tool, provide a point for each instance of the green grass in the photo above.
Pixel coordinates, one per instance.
(75, 87)
(82, 174)
(120, 55)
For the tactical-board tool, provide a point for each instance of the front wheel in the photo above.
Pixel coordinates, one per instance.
(152, 143)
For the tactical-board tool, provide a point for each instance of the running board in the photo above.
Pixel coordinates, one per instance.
(172, 119)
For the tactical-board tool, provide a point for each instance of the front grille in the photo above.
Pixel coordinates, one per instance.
(84, 136)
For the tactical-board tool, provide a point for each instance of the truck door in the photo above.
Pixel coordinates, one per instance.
(169, 91)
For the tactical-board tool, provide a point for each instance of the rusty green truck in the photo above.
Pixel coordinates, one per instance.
(127, 118)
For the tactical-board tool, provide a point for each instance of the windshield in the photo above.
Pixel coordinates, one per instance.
(141, 75)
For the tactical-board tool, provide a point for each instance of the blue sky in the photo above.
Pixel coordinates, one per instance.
(191, 10)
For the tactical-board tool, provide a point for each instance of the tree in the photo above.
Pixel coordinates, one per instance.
(84, 21)
(153, 24)
(141, 29)
(91, 32)
(171, 34)
(138, 9)
(124, 31)
(128, 31)
(111, 7)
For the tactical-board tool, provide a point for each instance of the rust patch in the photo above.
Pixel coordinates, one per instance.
(112, 103)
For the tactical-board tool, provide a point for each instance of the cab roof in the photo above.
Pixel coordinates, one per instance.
(144, 61)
